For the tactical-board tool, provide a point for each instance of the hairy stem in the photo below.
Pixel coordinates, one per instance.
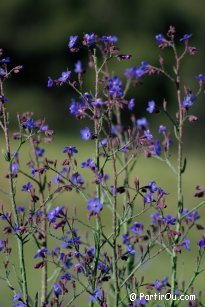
(13, 200)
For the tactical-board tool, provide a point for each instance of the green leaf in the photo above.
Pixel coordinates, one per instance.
(176, 132)
(6, 155)
(184, 166)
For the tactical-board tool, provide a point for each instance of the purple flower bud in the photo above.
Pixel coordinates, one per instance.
(185, 37)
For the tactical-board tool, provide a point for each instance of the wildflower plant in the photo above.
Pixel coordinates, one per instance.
(104, 267)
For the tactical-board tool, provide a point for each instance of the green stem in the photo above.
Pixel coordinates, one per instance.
(13, 202)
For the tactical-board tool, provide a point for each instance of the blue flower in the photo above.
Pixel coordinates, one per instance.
(142, 69)
(162, 129)
(6, 60)
(77, 179)
(98, 103)
(189, 100)
(58, 290)
(94, 205)
(89, 163)
(161, 284)
(200, 77)
(186, 243)
(72, 41)
(76, 108)
(65, 276)
(78, 67)
(64, 76)
(103, 142)
(41, 253)
(89, 39)
(2, 72)
(21, 209)
(148, 135)
(1, 245)
(40, 151)
(26, 187)
(159, 39)
(70, 150)
(185, 37)
(148, 198)
(169, 220)
(201, 243)
(16, 297)
(55, 213)
(115, 87)
(96, 295)
(141, 301)
(109, 39)
(142, 123)
(130, 73)
(151, 106)
(130, 249)
(50, 82)
(29, 124)
(152, 186)
(14, 168)
(137, 228)
(157, 148)
(131, 104)
(85, 134)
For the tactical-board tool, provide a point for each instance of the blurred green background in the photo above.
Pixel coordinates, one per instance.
(35, 35)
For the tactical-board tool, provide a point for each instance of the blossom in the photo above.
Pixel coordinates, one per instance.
(115, 87)
(131, 104)
(201, 243)
(148, 198)
(76, 108)
(186, 243)
(41, 253)
(109, 39)
(162, 129)
(77, 179)
(157, 148)
(151, 106)
(160, 38)
(96, 295)
(94, 205)
(64, 76)
(169, 220)
(29, 124)
(161, 284)
(185, 37)
(26, 187)
(148, 135)
(89, 163)
(65, 276)
(142, 123)
(16, 297)
(189, 100)
(50, 82)
(14, 168)
(54, 213)
(89, 39)
(142, 69)
(58, 290)
(137, 228)
(1, 245)
(85, 134)
(200, 77)
(39, 151)
(70, 150)
(72, 41)
(78, 67)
